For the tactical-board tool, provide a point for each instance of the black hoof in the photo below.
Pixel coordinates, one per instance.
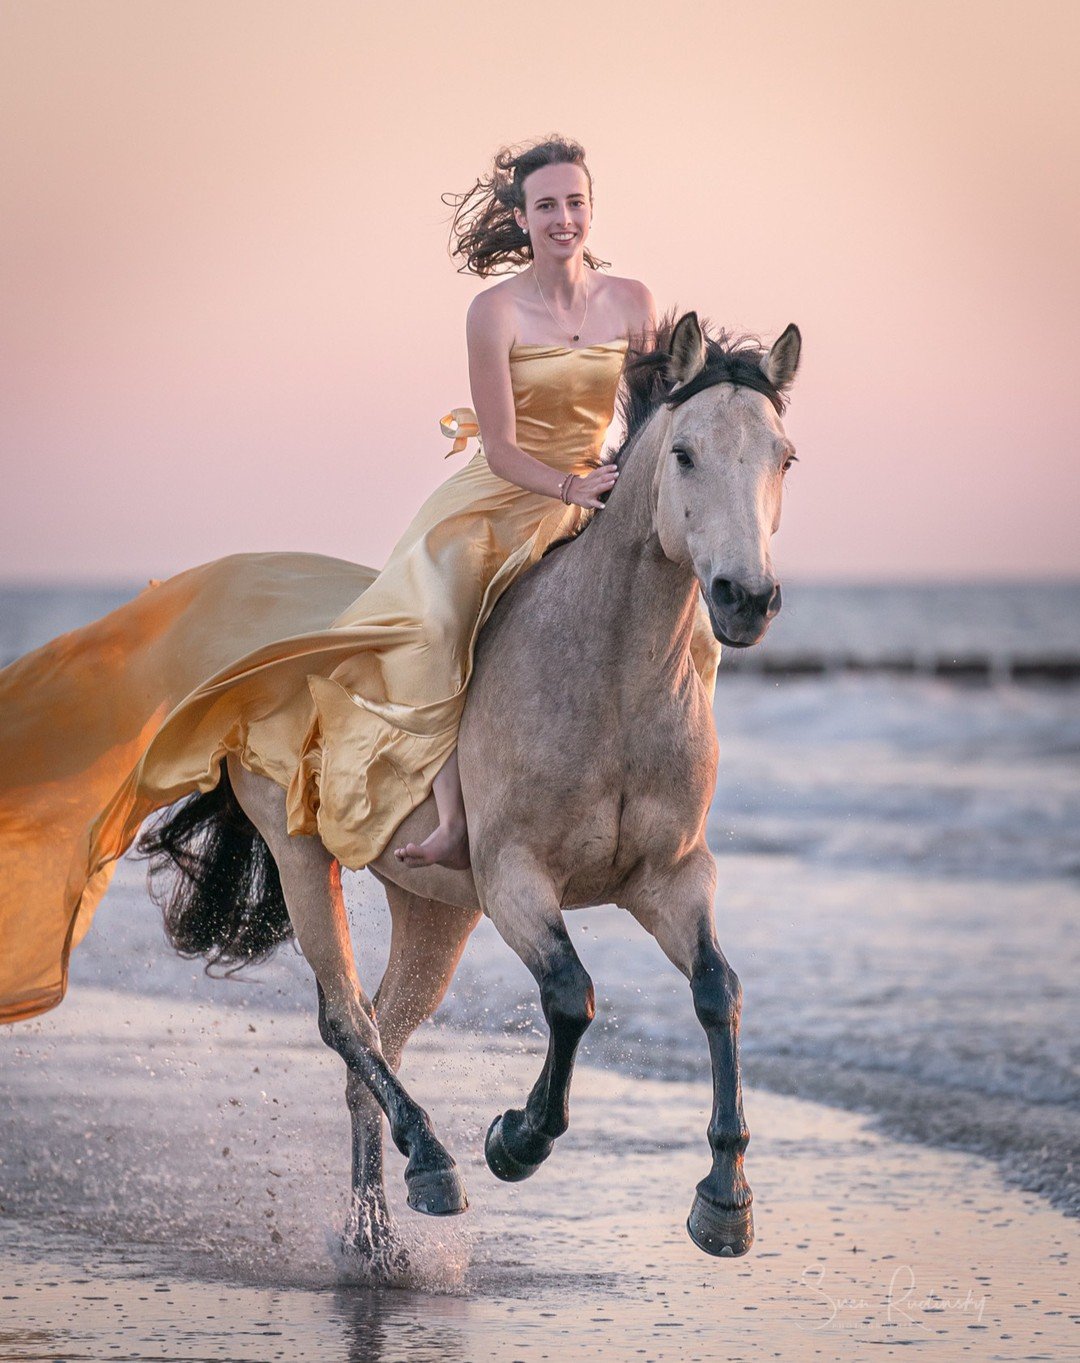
(724, 1231)
(437, 1192)
(500, 1161)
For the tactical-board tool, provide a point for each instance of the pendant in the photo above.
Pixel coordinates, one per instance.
(575, 338)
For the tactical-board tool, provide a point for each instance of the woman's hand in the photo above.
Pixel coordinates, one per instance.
(586, 489)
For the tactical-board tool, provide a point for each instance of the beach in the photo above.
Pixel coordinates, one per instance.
(175, 1178)
(899, 892)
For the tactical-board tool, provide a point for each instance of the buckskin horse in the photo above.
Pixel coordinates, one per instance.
(588, 757)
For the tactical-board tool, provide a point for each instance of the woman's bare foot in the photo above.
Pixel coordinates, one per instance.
(447, 846)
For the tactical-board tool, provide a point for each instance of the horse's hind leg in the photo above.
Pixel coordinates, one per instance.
(677, 908)
(524, 907)
(426, 943)
(346, 1015)
(368, 1226)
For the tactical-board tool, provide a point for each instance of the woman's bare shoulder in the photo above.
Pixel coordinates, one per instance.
(622, 284)
(633, 299)
(491, 317)
(493, 307)
(496, 298)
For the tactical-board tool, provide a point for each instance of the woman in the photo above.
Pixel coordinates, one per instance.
(536, 207)
(344, 686)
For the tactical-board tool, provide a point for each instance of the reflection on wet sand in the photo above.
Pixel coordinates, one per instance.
(127, 1231)
(377, 1326)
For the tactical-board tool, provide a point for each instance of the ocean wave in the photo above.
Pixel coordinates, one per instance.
(868, 771)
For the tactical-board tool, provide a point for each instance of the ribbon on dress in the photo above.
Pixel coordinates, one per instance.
(460, 426)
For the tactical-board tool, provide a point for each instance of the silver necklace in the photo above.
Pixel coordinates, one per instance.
(562, 325)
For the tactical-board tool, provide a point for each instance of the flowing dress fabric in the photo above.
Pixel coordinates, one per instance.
(343, 685)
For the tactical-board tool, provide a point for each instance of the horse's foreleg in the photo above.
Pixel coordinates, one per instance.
(678, 910)
(525, 909)
(346, 1016)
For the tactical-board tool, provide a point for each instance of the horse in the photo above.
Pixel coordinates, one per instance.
(588, 758)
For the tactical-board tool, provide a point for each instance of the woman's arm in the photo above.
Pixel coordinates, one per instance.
(489, 333)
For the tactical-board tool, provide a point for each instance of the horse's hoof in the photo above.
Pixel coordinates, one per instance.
(437, 1192)
(724, 1231)
(500, 1161)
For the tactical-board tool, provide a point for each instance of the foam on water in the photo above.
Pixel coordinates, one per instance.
(911, 775)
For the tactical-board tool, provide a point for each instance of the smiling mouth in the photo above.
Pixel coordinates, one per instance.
(562, 236)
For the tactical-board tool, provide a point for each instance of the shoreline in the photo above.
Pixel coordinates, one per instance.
(1033, 1146)
(828, 1038)
(167, 1163)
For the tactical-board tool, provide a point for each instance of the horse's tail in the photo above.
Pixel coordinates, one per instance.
(212, 875)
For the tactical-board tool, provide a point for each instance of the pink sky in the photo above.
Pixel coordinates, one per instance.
(228, 320)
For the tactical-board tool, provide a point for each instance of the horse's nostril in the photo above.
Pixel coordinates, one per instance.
(726, 594)
(735, 598)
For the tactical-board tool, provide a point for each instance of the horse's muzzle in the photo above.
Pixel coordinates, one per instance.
(740, 614)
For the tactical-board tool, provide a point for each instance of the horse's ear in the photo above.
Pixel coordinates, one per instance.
(687, 350)
(780, 364)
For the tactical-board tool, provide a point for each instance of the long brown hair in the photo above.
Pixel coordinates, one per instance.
(484, 234)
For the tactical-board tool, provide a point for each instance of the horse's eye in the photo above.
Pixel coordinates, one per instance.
(683, 458)
(791, 459)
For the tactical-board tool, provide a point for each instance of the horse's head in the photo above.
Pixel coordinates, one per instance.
(719, 473)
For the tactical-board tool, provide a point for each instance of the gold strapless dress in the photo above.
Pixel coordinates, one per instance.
(343, 685)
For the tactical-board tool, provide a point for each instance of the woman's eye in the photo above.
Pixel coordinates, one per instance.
(683, 459)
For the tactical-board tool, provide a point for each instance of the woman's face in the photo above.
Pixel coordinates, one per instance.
(558, 211)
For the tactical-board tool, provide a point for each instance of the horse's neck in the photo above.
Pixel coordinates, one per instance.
(621, 585)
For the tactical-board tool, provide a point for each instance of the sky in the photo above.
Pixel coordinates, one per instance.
(228, 320)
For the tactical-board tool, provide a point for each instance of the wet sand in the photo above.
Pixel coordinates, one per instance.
(173, 1176)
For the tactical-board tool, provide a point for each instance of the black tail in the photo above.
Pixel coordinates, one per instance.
(213, 877)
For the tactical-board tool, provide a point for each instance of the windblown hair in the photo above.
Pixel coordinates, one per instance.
(212, 875)
(484, 234)
(645, 386)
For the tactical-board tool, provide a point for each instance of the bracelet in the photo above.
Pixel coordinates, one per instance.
(565, 486)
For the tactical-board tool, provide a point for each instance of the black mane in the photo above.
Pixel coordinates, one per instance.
(645, 386)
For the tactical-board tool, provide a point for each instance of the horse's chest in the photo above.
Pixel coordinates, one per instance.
(646, 802)
(670, 751)
(610, 783)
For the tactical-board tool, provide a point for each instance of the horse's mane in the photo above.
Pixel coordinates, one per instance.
(645, 386)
